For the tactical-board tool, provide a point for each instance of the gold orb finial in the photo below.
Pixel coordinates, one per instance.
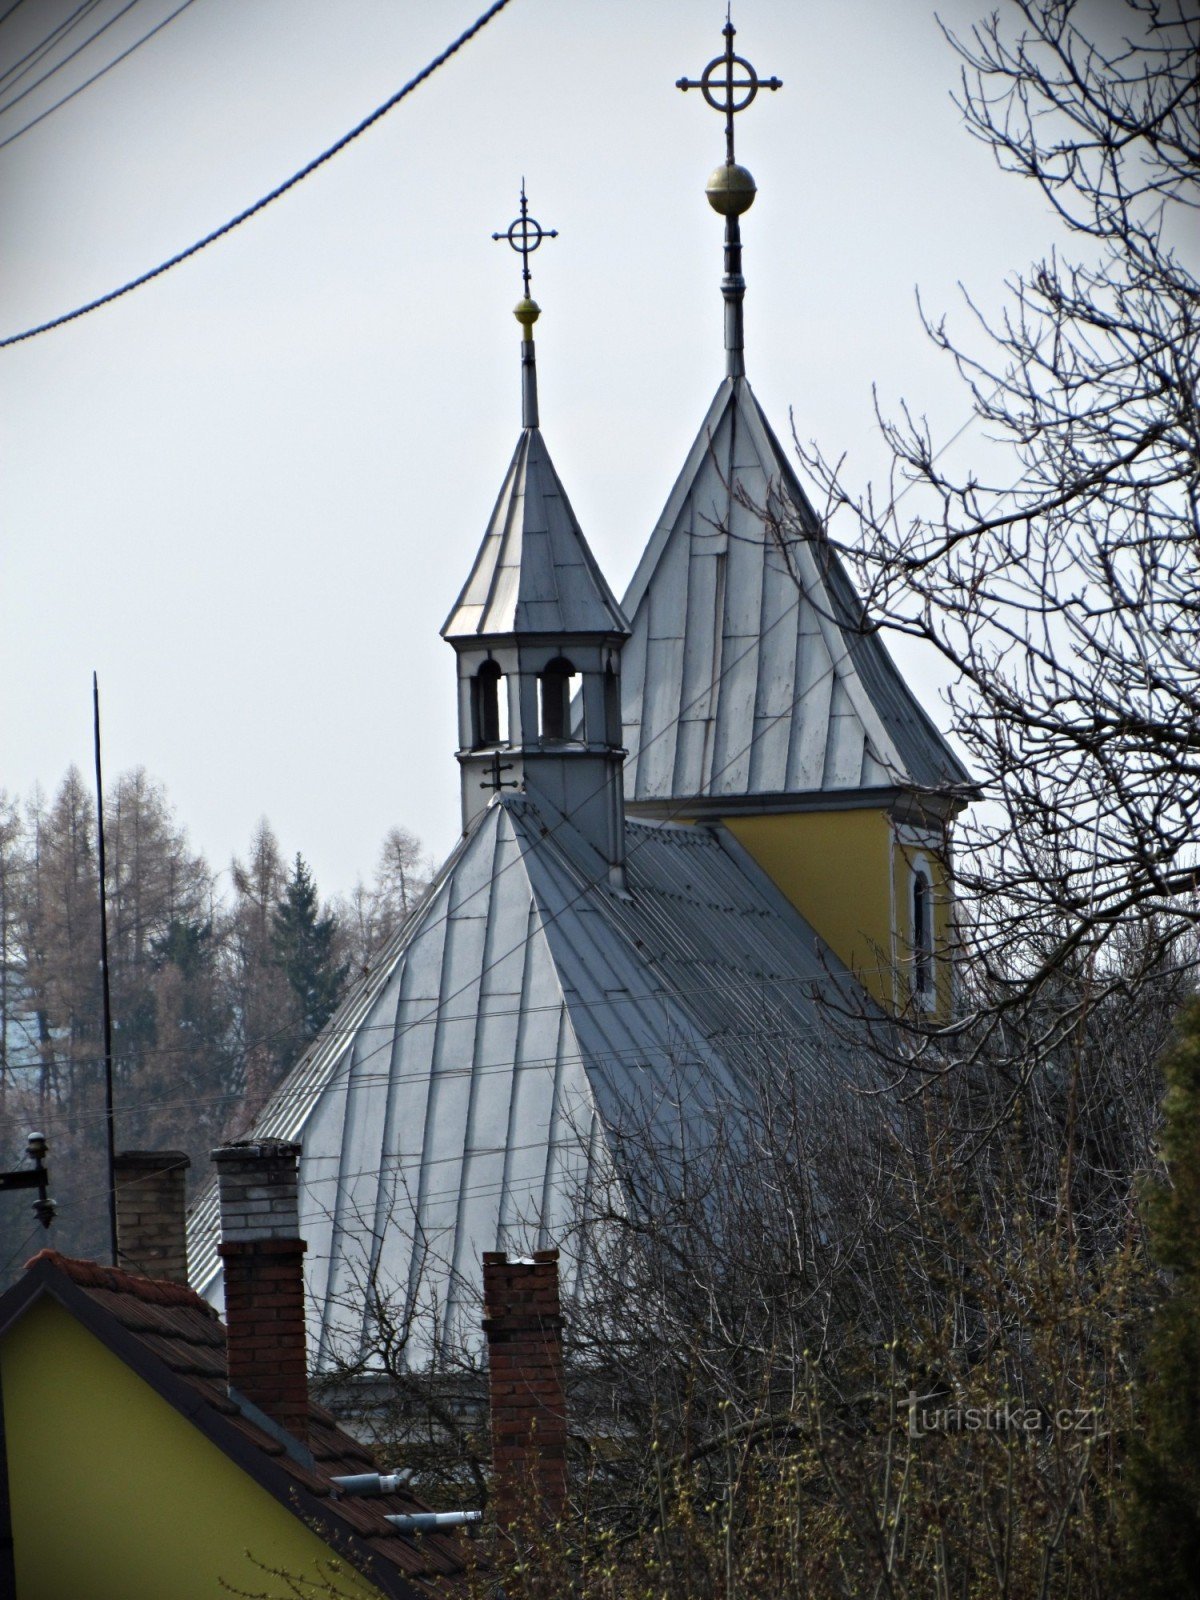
(527, 312)
(730, 190)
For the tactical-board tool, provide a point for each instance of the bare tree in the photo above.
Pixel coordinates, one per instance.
(1061, 586)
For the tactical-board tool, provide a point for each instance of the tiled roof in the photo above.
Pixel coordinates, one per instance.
(184, 1337)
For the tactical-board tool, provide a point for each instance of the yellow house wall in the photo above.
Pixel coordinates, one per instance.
(115, 1496)
(849, 876)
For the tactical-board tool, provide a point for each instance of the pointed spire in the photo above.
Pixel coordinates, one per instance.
(729, 83)
(525, 233)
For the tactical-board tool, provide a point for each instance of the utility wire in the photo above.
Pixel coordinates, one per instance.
(18, 69)
(275, 194)
(87, 82)
(69, 57)
(4, 15)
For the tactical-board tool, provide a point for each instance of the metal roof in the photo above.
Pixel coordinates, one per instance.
(534, 572)
(748, 672)
(463, 1099)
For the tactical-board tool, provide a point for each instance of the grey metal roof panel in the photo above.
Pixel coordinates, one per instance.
(534, 572)
(462, 1099)
(748, 670)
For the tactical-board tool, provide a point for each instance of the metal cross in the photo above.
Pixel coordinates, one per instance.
(525, 234)
(494, 780)
(721, 88)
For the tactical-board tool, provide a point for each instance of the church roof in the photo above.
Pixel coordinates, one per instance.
(748, 675)
(534, 572)
(464, 1098)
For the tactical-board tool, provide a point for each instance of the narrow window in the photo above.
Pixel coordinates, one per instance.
(922, 925)
(612, 708)
(486, 705)
(555, 708)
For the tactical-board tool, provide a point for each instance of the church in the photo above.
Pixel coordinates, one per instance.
(691, 817)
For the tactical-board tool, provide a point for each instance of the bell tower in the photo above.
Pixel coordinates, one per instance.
(538, 635)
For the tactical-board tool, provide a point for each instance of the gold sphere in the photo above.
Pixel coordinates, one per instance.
(527, 312)
(730, 190)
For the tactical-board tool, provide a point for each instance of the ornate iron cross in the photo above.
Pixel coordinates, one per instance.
(525, 234)
(724, 89)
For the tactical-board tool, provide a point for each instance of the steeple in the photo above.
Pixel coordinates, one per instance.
(538, 636)
(731, 189)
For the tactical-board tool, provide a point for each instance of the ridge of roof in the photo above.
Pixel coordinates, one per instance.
(151, 1291)
(534, 572)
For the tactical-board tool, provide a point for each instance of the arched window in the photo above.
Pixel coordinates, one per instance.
(489, 706)
(612, 709)
(922, 932)
(554, 719)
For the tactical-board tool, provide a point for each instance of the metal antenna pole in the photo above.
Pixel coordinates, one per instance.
(110, 1121)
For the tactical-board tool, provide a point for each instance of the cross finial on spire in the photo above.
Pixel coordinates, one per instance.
(525, 234)
(729, 83)
(731, 101)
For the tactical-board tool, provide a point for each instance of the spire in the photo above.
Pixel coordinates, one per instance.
(525, 234)
(731, 189)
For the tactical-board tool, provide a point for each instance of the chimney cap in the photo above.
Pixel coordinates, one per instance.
(259, 1150)
(153, 1160)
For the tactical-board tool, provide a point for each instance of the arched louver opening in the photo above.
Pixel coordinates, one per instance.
(487, 706)
(922, 932)
(555, 706)
(612, 709)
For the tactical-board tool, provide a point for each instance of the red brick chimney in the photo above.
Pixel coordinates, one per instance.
(264, 1278)
(523, 1323)
(152, 1212)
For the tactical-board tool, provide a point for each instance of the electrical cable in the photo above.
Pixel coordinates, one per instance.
(4, 15)
(52, 38)
(275, 194)
(69, 57)
(96, 76)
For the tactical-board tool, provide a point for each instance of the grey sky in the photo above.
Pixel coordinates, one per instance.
(248, 494)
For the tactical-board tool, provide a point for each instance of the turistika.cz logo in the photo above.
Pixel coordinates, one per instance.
(1008, 1417)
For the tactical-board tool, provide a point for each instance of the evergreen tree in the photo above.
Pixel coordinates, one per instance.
(305, 942)
(1163, 1521)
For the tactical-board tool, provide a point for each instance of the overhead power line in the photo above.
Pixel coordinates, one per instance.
(87, 82)
(18, 69)
(275, 194)
(4, 15)
(69, 57)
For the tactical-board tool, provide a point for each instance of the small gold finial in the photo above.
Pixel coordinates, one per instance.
(730, 190)
(527, 312)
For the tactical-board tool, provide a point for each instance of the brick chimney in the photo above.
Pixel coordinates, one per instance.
(152, 1212)
(264, 1278)
(523, 1323)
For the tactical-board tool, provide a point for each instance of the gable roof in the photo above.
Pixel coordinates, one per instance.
(464, 1098)
(534, 572)
(748, 674)
(175, 1342)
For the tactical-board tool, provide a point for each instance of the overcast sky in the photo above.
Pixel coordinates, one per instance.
(248, 493)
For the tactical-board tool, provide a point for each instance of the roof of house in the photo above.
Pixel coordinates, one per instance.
(465, 1097)
(749, 673)
(534, 572)
(175, 1342)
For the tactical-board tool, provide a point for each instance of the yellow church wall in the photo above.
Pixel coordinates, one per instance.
(836, 869)
(849, 873)
(115, 1496)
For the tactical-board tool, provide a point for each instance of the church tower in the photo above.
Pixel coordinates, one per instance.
(755, 693)
(538, 635)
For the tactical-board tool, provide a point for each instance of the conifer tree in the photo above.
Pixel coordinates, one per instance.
(1164, 1466)
(305, 942)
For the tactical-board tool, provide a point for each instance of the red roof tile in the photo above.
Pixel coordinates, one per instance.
(183, 1335)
